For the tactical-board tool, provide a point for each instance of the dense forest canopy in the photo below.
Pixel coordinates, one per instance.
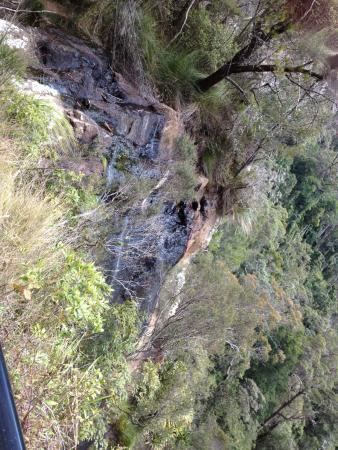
(240, 350)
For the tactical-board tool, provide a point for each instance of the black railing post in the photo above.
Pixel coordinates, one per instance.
(10, 431)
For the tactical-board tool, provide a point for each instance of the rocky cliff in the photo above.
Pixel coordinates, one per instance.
(130, 141)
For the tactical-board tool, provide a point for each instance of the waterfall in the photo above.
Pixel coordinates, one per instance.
(122, 239)
(149, 151)
(154, 140)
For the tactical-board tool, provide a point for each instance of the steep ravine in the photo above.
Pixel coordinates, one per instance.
(137, 135)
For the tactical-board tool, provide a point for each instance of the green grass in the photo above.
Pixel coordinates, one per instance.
(177, 73)
(77, 195)
(28, 220)
(12, 64)
(40, 129)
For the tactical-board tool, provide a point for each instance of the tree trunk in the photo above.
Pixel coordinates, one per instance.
(268, 427)
(258, 38)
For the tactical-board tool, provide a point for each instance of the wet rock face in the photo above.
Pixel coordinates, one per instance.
(174, 240)
(109, 114)
(80, 70)
(143, 250)
(84, 78)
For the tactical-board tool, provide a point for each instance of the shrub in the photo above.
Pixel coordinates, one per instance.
(165, 399)
(117, 25)
(69, 373)
(217, 163)
(11, 64)
(82, 290)
(176, 73)
(213, 38)
(40, 129)
(212, 107)
(71, 188)
(230, 244)
(150, 44)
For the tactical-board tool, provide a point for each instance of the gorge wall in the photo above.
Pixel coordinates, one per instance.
(130, 141)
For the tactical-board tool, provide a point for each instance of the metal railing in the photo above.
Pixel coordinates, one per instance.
(10, 430)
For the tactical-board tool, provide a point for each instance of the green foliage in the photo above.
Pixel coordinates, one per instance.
(149, 41)
(272, 377)
(150, 382)
(78, 343)
(282, 438)
(127, 431)
(207, 434)
(232, 243)
(166, 399)
(207, 302)
(176, 72)
(251, 243)
(236, 406)
(275, 249)
(206, 32)
(40, 128)
(98, 23)
(107, 352)
(11, 64)
(77, 195)
(126, 322)
(313, 207)
(212, 107)
(82, 290)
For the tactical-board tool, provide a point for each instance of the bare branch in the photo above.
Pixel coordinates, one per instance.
(239, 88)
(40, 11)
(191, 4)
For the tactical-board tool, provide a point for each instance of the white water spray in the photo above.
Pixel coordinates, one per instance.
(122, 239)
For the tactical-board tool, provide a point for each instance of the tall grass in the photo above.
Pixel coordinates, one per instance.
(12, 65)
(28, 221)
(115, 24)
(176, 73)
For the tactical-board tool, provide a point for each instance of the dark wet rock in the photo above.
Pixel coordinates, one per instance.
(85, 129)
(83, 77)
(174, 238)
(144, 130)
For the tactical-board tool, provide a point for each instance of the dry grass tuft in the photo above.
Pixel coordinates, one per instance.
(28, 221)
